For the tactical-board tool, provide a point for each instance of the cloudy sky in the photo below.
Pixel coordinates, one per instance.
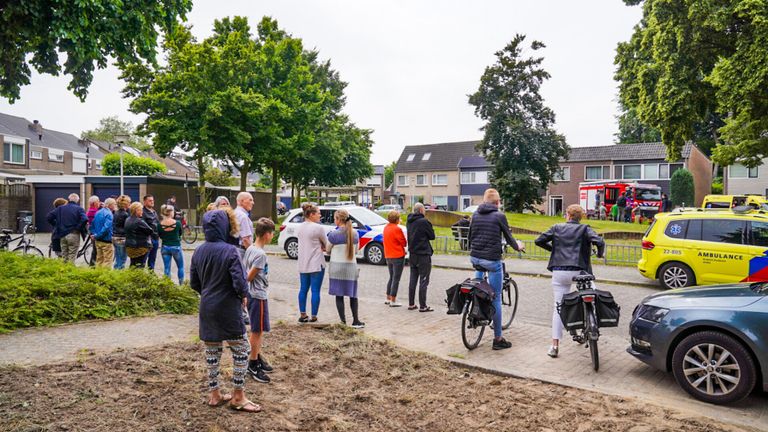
(410, 64)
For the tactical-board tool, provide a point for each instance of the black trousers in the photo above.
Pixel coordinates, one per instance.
(395, 267)
(421, 267)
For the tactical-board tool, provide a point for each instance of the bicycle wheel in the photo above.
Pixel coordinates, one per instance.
(470, 333)
(189, 235)
(28, 250)
(508, 303)
(592, 336)
(87, 252)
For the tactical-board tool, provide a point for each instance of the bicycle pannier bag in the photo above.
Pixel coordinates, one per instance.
(482, 304)
(571, 311)
(455, 299)
(607, 309)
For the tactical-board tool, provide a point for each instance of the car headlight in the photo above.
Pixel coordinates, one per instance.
(652, 313)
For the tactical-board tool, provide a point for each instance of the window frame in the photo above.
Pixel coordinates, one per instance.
(434, 183)
(55, 155)
(749, 173)
(426, 156)
(561, 176)
(600, 167)
(424, 183)
(404, 178)
(411, 157)
(9, 154)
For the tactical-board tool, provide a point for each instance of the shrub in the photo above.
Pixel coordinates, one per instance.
(39, 291)
(132, 165)
(681, 185)
(717, 185)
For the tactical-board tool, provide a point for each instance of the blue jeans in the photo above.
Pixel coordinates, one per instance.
(495, 279)
(120, 256)
(174, 252)
(152, 254)
(311, 281)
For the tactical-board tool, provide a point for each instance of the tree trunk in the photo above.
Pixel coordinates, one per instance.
(201, 204)
(293, 194)
(274, 191)
(244, 175)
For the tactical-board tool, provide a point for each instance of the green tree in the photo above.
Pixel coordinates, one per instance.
(132, 165)
(697, 70)
(34, 32)
(681, 188)
(218, 177)
(389, 174)
(111, 126)
(519, 136)
(632, 130)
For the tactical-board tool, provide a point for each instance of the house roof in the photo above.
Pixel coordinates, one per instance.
(639, 151)
(474, 162)
(442, 157)
(51, 138)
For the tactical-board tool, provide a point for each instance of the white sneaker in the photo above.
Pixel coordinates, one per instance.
(552, 351)
(395, 304)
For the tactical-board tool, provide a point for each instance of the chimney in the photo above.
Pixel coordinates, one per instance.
(37, 128)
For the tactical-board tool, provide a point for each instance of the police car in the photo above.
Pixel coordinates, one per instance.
(369, 226)
(703, 247)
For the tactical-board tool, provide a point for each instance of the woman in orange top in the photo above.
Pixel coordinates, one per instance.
(394, 252)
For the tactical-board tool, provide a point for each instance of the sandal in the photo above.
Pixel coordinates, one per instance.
(225, 398)
(412, 307)
(313, 319)
(303, 319)
(426, 309)
(246, 406)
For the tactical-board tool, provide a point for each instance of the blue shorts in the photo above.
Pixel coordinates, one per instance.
(259, 312)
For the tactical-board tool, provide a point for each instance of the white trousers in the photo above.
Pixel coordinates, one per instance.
(561, 285)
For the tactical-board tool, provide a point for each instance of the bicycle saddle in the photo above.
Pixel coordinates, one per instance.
(6, 231)
(583, 278)
(479, 268)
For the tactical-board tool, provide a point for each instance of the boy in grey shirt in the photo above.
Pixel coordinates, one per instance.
(256, 265)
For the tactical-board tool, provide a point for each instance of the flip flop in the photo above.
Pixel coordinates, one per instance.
(225, 398)
(426, 309)
(244, 407)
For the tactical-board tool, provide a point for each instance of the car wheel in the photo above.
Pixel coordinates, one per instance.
(292, 248)
(676, 275)
(714, 367)
(374, 254)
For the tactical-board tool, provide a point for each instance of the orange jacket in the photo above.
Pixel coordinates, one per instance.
(394, 241)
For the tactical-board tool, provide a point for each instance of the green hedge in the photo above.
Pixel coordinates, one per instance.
(39, 291)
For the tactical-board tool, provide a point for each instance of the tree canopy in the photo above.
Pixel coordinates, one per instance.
(519, 136)
(217, 177)
(109, 127)
(132, 165)
(697, 69)
(34, 32)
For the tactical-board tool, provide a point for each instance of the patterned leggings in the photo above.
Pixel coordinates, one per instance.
(240, 350)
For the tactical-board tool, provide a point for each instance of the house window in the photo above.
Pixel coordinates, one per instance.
(402, 180)
(439, 179)
(36, 154)
(740, 171)
(594, 173)
(632, 172)
(617, 171)
(651, 172)
(663, 171)
(421, 180)
(55, 155)
(563, 175)
(440, 200)
(474, 177)
(410, 157)
(426, 156)
(13, 152)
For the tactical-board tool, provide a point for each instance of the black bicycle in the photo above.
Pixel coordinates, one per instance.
(472, 329)
(188, 232)
(590, 326)
(85, 251)
(24, 247)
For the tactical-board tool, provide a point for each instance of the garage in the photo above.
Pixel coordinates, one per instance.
(44, 196)
(105, 191)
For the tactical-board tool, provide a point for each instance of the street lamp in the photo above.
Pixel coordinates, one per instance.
(121, 140)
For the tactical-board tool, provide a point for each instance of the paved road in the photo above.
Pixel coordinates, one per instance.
(436, 333)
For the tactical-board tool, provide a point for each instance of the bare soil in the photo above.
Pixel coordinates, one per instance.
(331, 379)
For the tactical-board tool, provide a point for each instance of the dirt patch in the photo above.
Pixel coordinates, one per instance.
(329, 379)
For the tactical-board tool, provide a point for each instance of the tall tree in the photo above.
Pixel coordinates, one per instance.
(632, 130)
(389, 174)
(34, 32)
(111, 126)
(696, 70)
(520, 139)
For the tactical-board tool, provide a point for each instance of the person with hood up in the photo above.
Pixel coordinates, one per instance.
(486, 229)
(420, 232)
(217, 273)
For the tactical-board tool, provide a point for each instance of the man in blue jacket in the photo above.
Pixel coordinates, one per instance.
(69, 222)
(486, 229)
(101, 230)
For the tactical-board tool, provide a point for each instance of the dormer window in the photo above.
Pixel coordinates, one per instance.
(411, 157)
(426, 156)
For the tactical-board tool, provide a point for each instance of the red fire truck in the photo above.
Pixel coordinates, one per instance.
(644, 199)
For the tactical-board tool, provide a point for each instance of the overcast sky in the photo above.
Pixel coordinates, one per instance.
(410, 64)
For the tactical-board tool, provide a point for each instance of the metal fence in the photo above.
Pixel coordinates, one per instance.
(458, 244)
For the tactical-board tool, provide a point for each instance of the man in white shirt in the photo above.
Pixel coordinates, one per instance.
(244, 206)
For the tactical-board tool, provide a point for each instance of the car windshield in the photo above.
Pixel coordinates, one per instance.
(367, 217)
(649, 194)
(760, 287)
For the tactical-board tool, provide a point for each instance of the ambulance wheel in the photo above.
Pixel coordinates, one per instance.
(374, 254)
(674, 275)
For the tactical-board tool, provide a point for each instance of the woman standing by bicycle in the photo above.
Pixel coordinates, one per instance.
(118, 230)
(137, 236)
(570, 244)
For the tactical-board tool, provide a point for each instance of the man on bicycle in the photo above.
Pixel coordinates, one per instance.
(486, 229)
(570, 244)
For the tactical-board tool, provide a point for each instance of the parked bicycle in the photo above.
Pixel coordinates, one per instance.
(473, 326)
(24, 247)
(188, 232)
(85, 251)
(584, 311)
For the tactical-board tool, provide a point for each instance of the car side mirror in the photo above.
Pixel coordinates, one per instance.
(355, 225)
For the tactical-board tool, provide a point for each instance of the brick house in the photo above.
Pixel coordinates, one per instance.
(740, 180)
(643, 162)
